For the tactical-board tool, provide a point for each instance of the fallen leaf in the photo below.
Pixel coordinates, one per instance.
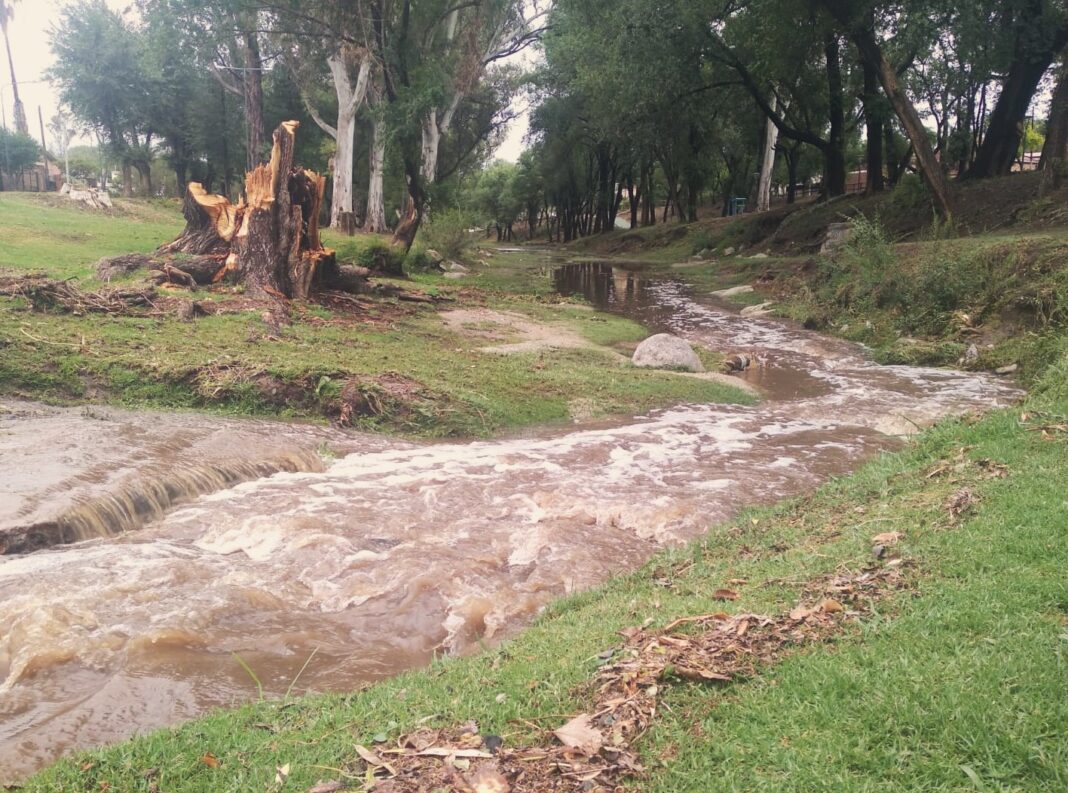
(332, 786)
(487, 780)
(887, 538)
(210, 760)
(368, 756)
(800, 613)
(459, 763)
(580, 734)
(445, 751)
(725, 594)
(281, 774)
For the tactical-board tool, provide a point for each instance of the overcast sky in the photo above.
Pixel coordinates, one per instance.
(29, 33)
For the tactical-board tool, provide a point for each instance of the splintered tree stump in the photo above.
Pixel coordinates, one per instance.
(270, 241)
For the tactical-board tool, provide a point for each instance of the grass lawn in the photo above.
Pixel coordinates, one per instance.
(48, 233)
(229, 361)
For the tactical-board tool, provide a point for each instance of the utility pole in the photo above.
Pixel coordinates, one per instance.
(44, 145)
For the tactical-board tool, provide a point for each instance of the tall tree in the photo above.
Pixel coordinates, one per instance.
(98, 68)
(434, 56)
(1055, 149)
(7, 13)
(1038, 30)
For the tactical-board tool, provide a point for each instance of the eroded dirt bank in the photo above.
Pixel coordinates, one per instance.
(396, 551)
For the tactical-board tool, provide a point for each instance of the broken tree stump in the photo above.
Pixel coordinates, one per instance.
(270, 241)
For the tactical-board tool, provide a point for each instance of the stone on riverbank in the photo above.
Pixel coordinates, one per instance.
(664, 351)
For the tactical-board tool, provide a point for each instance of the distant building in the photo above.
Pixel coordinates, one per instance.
(41, 178)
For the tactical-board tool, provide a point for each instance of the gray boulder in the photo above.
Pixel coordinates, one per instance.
(838, 236)
(434, 257)
(664, 351)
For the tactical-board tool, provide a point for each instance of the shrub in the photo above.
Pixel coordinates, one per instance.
(446, 232)
(911, 194)
(701, 240)
(371, 252)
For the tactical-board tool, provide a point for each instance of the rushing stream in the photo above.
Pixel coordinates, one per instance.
(394, 551)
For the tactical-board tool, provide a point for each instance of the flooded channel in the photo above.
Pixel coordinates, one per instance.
(372, 562)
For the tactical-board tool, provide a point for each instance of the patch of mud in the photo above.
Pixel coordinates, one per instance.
(526, 334)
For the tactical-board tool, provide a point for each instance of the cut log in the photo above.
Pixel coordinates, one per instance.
(269, 242)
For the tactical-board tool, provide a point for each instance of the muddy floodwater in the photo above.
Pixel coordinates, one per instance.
(272, 542)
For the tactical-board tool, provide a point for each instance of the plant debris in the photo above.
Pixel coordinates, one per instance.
(45, 294)
(595, 750)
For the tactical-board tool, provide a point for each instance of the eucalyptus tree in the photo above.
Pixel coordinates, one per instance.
(435, 57)
(320, 39)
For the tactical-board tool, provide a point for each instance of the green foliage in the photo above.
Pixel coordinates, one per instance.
(447, 232)
(864, 272)
(911, 194)
(17, 151)
(498, 195)
(371, 251)
(701, 240)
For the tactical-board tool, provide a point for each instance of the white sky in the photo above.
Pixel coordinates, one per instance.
(29, 32)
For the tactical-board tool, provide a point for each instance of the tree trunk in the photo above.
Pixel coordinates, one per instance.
(20, 111)
(376, 209)
(834, 154)
(1055, 150)
(252, 90)
(127, 180)
(767, 164)
(431, 144)
(792, 156)
(930, 168)
(271, 241)
(1031, 58)
(873, 119)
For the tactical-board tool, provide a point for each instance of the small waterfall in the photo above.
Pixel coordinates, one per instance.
(148, 498)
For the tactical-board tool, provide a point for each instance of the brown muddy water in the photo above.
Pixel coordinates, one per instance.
(259, 547)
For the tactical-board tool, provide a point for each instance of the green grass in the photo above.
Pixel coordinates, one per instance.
(42, 233)
(225, 362)
(959, 684)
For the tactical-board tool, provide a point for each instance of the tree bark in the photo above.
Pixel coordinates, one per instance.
(375, 221)
(1055, 150)
(767, 164)
(270, 242)
(835, 167)
(873, 119)
(1030, 61)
